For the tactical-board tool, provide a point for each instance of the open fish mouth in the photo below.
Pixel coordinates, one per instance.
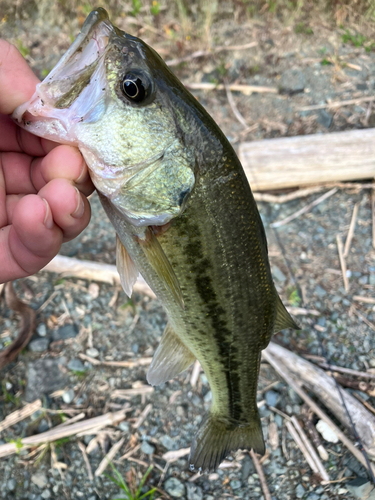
(74, 91)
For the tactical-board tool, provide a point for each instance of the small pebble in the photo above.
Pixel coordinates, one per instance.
(147, 448)
(41, 330)
(174, 487)
(92, 352)
(68, 396)
(11, 484)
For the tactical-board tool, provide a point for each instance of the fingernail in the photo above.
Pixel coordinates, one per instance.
(48, 219)
(79, 211)
(83, 172)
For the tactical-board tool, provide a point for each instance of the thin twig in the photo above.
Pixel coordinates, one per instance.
(233, 105)
(302, 447)
(337, 104)
(351, 230)
(365, 300)
(364, 319)
(214, 50)
(109, 457)
(172, 456)
(310, 449)
(86, 460)
(132, 363)
(135, 391)
(301, 311)
(19, 415)
(342, 262)
(142, 416)
(301, 193)
(195, 373)
(342, 369)
(305, 209)
(373, 214)
(262, 478)
(234, 87)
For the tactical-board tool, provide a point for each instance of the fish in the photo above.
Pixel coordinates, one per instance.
(185, 217)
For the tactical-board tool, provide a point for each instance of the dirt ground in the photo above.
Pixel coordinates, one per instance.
(310, 58)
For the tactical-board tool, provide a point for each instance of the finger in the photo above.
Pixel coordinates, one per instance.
(16, 173)
(70, 209)
(65, 162)
(14, 138)
(31, 241)
(17, 81)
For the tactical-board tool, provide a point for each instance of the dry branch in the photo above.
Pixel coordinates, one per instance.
(262, 478)
(109, 457)
(131, 363)
(310, 449)
(305, 209)
(61, 432)
(349, 238)
(96, 271)
(340, 250)
(321, 384)
(283, 371)
(310, 159)
(234, 87)
(302, 447)
(19, 415)
(214, 50)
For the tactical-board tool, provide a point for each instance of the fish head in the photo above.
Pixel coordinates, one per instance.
(113, 96)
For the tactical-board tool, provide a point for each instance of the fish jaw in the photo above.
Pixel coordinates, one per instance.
(74, 91)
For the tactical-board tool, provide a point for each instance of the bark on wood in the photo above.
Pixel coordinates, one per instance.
(310, 159)
(321, 384)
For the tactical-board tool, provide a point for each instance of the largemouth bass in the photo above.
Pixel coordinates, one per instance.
(184, 214)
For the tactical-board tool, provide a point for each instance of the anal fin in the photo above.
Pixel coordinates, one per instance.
(171, 358)
(125, 267)
(283, 318)
(159, 261)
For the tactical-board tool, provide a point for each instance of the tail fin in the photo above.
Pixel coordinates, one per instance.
(217, 437)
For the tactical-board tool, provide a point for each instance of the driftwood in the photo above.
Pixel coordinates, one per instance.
(310, 159)
(321, 384)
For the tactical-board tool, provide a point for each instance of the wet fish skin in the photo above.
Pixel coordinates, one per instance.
(182, 207)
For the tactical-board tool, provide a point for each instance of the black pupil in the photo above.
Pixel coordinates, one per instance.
(134, 88)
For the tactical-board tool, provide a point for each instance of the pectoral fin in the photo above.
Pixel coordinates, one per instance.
(283, 318)
(171, 358)
(125, 267)
(159, 261)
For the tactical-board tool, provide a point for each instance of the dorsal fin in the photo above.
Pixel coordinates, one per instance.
(283, 318)
(171, 358)
(125, 267)
(159, 261)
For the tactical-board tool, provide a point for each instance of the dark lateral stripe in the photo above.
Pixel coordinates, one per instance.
(200, 266)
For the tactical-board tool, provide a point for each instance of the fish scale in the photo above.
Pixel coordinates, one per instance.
(178, 198)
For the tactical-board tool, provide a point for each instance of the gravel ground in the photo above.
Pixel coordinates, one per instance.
(99, 321)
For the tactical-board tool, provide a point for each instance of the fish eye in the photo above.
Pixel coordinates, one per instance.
(136, 86)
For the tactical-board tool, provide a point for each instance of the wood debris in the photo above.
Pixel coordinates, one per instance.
(131, 363)
(349, 238)
(234, 87)
(285, 374)
(340, 250)
(262, 478)
(304, 209)
(109, 457)
(61, 432)
(19, 415)
(214, 50)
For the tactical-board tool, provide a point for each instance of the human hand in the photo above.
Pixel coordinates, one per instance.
(43, 185)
